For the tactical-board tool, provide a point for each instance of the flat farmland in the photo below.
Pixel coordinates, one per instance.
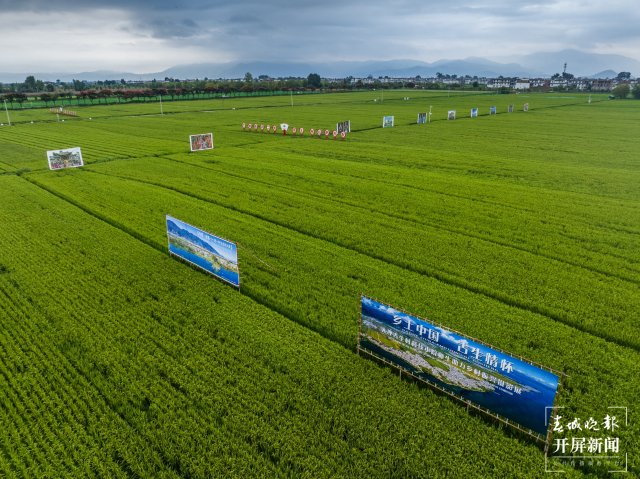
(520, 229)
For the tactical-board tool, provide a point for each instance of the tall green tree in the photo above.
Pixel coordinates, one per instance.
(30, 83)
(621, 91)
(636, 91)
(314, 81)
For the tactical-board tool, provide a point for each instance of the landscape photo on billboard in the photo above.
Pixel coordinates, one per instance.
(203, 141)
(204, 250)
(507, 386)
(387, 121)
(67, 158)
(474, 113)
(492, 110)
(422, 118)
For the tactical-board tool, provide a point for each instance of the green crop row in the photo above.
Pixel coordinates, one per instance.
(589, 300)
(190, 378)
(317, 283)
(570, 228)
(199, 380)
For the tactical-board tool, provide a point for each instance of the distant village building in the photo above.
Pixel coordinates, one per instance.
(582, 84)
(601, 85)
(499, 83)
(539, 83)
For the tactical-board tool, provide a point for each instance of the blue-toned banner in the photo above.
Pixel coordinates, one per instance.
(507, 386)
(206, 251)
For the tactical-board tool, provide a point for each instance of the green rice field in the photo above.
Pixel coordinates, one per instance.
(117, 360)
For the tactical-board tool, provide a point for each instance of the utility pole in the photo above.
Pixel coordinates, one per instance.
(7, 110)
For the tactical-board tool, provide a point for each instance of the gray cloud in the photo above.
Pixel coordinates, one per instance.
(333, 30)
(167, 28)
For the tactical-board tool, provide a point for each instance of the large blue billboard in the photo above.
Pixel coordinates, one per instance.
(206, 251)
(509, 387)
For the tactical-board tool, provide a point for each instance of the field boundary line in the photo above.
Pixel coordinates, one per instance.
(442, 277)
(435, 226)
(162, 248)
(95, 214)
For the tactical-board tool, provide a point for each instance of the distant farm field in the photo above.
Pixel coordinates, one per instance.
(116, 360)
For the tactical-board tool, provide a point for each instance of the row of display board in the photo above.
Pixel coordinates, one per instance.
(509, 388)
(424, 117)
(342, 128)
(72, 157)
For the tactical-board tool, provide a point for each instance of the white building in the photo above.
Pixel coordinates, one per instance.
(499, 83)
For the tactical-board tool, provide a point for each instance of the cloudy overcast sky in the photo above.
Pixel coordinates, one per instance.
(151, 35)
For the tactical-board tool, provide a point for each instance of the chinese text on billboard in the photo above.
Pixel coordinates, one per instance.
(496, 381)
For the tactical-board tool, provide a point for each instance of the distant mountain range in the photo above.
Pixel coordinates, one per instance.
(542, 64)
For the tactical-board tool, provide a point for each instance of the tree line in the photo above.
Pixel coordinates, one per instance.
(110, 91)
(37, 90)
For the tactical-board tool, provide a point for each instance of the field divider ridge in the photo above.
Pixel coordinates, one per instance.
(411, 221)
(162, 248)
(439, 276)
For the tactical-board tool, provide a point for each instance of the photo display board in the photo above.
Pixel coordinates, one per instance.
(211, 253)
(387, 121)
(67, 158)
(203, 141)
(451, 115)
(422, 118)
(497, 382)
(343, 127)
(492, 110)
(474, 113)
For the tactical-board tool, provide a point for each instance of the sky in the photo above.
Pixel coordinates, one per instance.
(152, 35)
